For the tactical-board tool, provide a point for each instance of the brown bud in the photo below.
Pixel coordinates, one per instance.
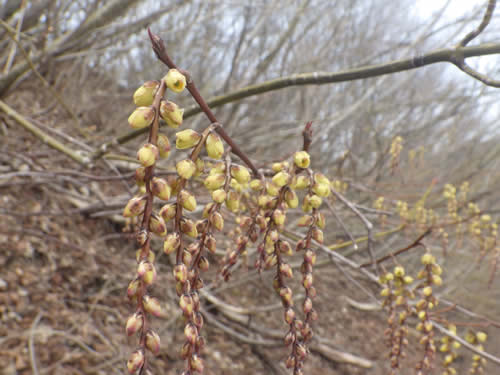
(188, 228)
(203, 263)
(167, 212)
(140, 175)
(310, 257)
(172, 242)
(217, 221)
(307, 281)
(163, 145)
(135, 207)
(317, 235)
(157, 225)
(180, 273)
(210, 243)
(187, 200)
(160, 188)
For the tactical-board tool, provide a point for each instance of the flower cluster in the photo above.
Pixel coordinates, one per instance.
(397, 296)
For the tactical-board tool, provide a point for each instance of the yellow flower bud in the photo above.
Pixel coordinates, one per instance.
(219, 196)
(157, 225)
(427, 259)
(217, 220)
(186, 139)
(142, 117)
(302, 159)
(188, 227)
(214, 146)
(300, 182)
(134, 207)
(427, 291)
(186, 168)
(272, 189)
(291, 199)
(135, 361)
(171, 243)
(148, 154)
(145, 94)
(153, 342)
(323, 190)
(233, 201)
(214, 181)
(175, 80)
(160, 188)
(240, 174)
(279, 217)
(281, 178)
(481, 336)
(399, 271)
(171, 113)
(187, 200)
(256, 185)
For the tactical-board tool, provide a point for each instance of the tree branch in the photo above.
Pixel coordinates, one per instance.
(321, 78)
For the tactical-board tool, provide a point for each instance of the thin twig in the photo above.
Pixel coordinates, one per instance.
(366, 223)
(31, 343)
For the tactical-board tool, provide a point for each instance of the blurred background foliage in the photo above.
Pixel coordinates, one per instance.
(70, 69)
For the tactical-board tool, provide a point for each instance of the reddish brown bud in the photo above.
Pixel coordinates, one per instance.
(310, 257)
(133, 288)
(135, 361)
(152, 306)
(285, 248)
(286, 270)
(317, 235)
(203, 263)
(167, 212)
(186, 304)
(153, 342)
(289, 338)
(147, 272)
(189, 228)
(157, 225)
(286, 295)
(134, 324)
(172, 242)
(187, 200)
(307, 305)
(289, 315)
(196, 363)
(211, 243)
(191, 332)
(307, 281)
(180, 273)
(217, 221)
